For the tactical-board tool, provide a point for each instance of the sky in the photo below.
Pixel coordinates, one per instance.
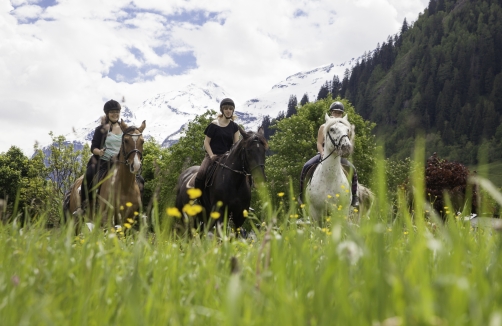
(60, 61)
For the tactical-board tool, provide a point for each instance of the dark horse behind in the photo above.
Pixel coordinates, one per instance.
(229, 181)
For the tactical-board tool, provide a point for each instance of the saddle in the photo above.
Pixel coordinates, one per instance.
(208, 180)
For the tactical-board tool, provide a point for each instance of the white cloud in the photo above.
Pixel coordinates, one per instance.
(24, 13)
(54, 70)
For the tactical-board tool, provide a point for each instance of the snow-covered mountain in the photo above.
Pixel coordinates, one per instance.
(166, 114)
(276, 100)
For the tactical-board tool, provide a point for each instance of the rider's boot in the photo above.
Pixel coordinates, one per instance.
(355, 201)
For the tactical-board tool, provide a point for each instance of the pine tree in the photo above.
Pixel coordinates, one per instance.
(404, 27)
(305, 99)
(323, 92)
(265, 124)
(496, 94)
(336, 87)
(293, 102)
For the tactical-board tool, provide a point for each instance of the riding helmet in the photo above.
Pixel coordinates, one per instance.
(111, 105)
(337, 106)
(227, 101)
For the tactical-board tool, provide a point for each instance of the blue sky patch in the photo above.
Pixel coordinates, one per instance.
(121, 72)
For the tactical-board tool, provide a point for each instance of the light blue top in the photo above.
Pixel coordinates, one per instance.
(112, 145)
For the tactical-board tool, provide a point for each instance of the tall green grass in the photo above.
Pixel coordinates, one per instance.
(395, 267)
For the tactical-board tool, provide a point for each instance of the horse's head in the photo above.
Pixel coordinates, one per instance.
(337, 135)
(253, 147)
(131, 151)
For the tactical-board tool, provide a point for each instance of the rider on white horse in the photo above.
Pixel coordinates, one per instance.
(336, 110)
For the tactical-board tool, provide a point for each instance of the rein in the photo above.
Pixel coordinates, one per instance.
(336, 146)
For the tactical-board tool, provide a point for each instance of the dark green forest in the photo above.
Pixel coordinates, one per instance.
(441, 76)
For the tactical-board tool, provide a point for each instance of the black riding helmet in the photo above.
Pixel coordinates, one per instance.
(227, 101)
(111, 105)
(337, 106)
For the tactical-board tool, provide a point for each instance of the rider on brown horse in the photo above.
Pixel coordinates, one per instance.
(336, 110)
(105, 146)
(221, 134)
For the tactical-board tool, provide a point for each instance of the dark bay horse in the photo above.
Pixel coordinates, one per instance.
(119, 196)
(229, 181)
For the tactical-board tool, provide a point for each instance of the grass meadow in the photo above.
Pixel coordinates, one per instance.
(393, 268)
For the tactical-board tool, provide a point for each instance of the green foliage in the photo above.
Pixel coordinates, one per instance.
(295, 142)
(187, 152)
(65, 164)
(22, 182)
(154, 159)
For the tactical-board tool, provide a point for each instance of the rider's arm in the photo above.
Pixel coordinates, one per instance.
(320, 140)
(236, 136)
(209, 151)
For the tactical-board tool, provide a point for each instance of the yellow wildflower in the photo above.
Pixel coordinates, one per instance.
(121, 207)
(329, 196)
(245, 213)
(219, 203)
(337, 195)
(130, 220)
(129, 204)
(136, 213)
(194, 193)
(192, 210)
(302, 205)
(173, 211)
(127, 225)
(215, 215)
(280, 194)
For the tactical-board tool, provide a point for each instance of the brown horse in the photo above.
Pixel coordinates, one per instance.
(119, 196)
(228, 186)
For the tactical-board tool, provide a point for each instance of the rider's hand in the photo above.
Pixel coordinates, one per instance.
(212, 157)
(102, 151)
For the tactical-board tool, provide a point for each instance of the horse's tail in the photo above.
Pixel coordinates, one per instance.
(367, 198)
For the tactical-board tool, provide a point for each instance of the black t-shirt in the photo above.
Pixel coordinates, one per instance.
(222, 138)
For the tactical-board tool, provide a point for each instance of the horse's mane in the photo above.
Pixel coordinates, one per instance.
(129, 129)
(251, 135)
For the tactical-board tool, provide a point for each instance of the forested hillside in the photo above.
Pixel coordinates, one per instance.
(440, 75)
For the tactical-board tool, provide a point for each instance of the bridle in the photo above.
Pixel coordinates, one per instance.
(243, 156)
(336, 146)
(135, 150)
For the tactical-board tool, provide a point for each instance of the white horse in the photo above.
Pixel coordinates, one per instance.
(329, 188)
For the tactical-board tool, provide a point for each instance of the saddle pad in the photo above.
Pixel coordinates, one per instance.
(191, 181)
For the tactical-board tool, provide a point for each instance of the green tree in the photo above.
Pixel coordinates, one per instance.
(22, 182)
(65, 164)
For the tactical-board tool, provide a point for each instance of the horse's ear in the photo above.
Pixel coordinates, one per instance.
(243, 133)
(123, 125)
(261, 132)
(143, 126)
(326, 117)
(346, 118)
